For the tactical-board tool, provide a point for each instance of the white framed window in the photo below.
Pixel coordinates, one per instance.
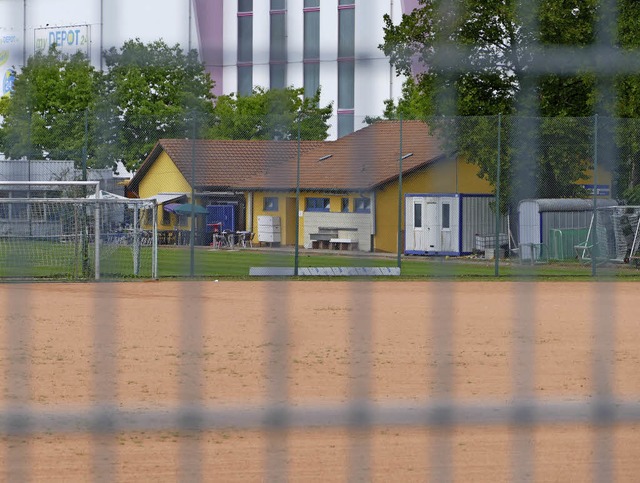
(270, 203)
(446, 216)
(362, 205)
(417, 215)
(311, 48)
(278, 45)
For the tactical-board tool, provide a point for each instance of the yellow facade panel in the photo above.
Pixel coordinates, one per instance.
(447, 176)
(163, 177)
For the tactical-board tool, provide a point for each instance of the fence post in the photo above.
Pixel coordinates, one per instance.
(85, 146)
(594, 250)
(296, 241)
(399, 260)
(497, 243)
(192, 241)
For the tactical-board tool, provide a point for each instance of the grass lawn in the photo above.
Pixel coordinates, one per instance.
(39, 260)
(175, 262)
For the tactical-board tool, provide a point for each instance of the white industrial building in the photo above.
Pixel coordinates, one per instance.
(332, 44)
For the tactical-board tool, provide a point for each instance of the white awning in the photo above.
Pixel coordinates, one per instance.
(165, 197)
(105, 195)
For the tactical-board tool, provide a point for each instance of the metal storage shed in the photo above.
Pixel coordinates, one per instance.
(447, 223)
(554, 225)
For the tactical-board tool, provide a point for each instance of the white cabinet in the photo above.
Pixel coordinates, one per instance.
(269, 229)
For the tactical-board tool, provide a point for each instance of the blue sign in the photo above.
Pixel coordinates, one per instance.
(603, 189)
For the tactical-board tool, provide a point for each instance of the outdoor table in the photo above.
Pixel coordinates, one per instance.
(230, 237)
(244, 237)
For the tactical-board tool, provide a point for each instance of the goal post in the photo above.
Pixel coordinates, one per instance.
(613, 235)
(68, 230)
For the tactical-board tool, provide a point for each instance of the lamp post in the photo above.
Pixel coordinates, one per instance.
(295, 256)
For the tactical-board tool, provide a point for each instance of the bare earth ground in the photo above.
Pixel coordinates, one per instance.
(149, 336)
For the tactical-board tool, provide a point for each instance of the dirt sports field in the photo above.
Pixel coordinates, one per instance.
(50, 331)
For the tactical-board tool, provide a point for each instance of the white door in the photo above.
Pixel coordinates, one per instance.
(446, 238)
(431, 226)
(415, 241)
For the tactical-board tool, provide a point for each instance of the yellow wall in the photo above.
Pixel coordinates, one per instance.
(163, 177)
(441, 177)
(445, 176)
(285, 221)
(288, 216)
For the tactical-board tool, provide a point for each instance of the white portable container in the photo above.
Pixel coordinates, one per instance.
(447, 223)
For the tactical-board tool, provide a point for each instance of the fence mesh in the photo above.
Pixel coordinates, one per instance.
(427, 379)
(365, 199)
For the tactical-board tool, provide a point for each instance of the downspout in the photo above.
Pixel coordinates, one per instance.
(373, 220)
(250, 211)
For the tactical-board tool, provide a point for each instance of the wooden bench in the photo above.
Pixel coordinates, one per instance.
(343, 244)
(332, 238)
(321, 240)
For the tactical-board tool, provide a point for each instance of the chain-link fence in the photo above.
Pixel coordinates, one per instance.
(459, 187)
(216, 373)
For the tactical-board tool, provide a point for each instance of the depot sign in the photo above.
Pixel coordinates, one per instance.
(68, 40)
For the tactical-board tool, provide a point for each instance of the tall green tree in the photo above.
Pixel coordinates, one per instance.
(151, 91)
(628, 105)
(488, 28)
(44, 118)
(495, 39)
(270, 114)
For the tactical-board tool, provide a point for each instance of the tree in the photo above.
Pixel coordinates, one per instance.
(270, 114)
(495, 41)
(152, 91)
(628, 105)
(44, 118)
(488, 28)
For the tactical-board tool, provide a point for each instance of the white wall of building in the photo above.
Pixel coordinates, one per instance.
(111, 22)
(375, 81)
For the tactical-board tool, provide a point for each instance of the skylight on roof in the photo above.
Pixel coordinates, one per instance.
(407, 155)
(325, 157)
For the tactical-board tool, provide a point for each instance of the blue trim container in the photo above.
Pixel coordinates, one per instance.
(446, 224)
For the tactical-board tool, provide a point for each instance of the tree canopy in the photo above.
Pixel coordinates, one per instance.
(151, 91)
(496, 39)
(44, 116)
(62, 108)
(270, 114)
(495, 36)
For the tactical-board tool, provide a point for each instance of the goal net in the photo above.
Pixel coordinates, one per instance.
(614, 234)
(69, 230)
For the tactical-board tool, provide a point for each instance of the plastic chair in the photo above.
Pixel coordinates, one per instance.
(218, 240)
(229, 238)
(247, 238)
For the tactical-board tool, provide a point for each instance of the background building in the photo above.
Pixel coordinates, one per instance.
(88, 25)
(332, 44)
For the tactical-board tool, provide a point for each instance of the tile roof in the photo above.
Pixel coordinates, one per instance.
(362, 160)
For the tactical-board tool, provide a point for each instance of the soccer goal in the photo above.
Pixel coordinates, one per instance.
(613, 235)
(68, 230)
